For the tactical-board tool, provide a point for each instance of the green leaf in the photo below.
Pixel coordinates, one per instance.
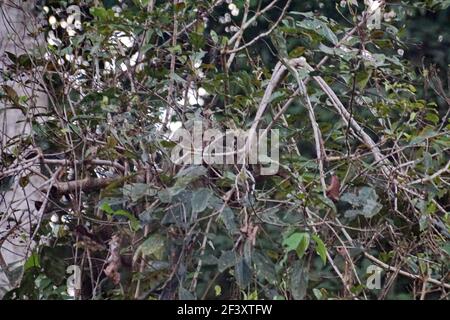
(217, 290)
(214, 37)
(362, 77)
(264, 267)
(227, 216)
(242, 273)
(320, 248)
(102, 13)
(226, 260)
(32, 262)
(446, 248)
(153, 245)
(134, 222)
(52, 262)
(424, 135)
(199, 200)
(252, 296)
(137, 191)
(292, 241)
(299, 278)
(177, 78)
(320, 28)
(271, 216)
(279, 42)
(328, 202)
(184, 294)
(297, 52)
(165, 195)
(170, 194)
(347, 55)
(434, 118)
(197, 57)
(364, 202)
(6, 183)
(106, 207)
(109, 3)
(188, 175)
(318, 294)
(298, 241)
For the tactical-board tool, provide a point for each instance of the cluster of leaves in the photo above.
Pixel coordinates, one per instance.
(223, 231)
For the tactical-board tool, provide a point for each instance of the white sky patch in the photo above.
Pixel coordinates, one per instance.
(367, 55)
(71, 19)
(110, 66)
(123, 67)
(134, 58)
(53, 40)
(202, 92)
(65, 218)
(373, 5)
(127, 41)
(54, 218)
(78, 25)
(172, 125)
(52, 20)
(197, 64)
(71, 31)
(194, 97)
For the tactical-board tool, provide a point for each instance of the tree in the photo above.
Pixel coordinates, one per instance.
(361, 156)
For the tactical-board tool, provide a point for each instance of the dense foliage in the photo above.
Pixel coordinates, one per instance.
(364, 163)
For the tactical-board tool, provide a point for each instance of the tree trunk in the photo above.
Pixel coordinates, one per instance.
(17, 208)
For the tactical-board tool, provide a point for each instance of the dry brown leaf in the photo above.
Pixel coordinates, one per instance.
(114, 261)
(334, 188)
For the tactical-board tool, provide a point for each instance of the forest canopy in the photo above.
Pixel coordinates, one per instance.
(352, 98)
